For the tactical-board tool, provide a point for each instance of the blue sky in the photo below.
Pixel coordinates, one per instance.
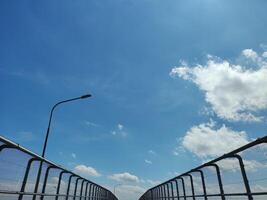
(141, 62)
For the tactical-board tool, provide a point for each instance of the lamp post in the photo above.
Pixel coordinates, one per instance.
(46, 138)
(114, 188)
(51, 115)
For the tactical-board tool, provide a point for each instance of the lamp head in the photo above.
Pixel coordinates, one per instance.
(85, 96)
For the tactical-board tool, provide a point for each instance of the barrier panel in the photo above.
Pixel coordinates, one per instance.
(19, 168)
(240, 174)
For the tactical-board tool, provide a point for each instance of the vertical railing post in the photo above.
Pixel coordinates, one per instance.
(45, 180)
(172, 190)
(100, 193)
(244, 176)
(219, 179)
(97, 193)
(93, 193)
(192, 185)
(75, 189)
(25, 178)
(90, 192)
(203, 183)
(59, 183)
(183, 187)
(168, 191)
(151, 191)
(177, 189)
(39, 174)
(164, 192)
(86, 190)
(81, 191)
(68, 188)
(160, 192)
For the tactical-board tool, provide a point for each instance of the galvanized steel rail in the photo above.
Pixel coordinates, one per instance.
(22, 187)
(176, 188)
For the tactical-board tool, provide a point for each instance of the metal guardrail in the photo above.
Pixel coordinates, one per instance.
(18, 172)
(211, 180)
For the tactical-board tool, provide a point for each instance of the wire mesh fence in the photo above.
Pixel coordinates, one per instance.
(19, 170)
(240, 174)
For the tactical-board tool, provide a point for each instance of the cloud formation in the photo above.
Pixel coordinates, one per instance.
(120, 126)
(152, 152)
(88, 123)
(232, 164)
(124, 177)
(207, 141)
(153, 182)
(148, 162)
(73, 155)
(235, 92)
(119, 131)
(129, 192)
(86, 171)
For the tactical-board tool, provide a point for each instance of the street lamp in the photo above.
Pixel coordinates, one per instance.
(46, 138)
(115, 187)
(51, 115)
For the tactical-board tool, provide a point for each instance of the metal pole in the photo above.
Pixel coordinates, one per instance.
(172, 190)
(45, 179)
(177, 189)
(51, 115)
(219, 179)
(244, 175)
(192, 185)
(203, 183)
(59, 182)
(25, 179)
(46, 138)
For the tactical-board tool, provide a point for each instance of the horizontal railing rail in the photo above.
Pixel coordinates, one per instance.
(232, 166)
(18, 178)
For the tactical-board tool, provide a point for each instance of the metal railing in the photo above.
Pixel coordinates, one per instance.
(240, 174)
(18, 172)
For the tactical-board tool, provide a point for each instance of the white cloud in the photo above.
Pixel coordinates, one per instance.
(119, 131)
(86, 171)
(152, 152)
(73, 155)
(153, 183)
(235, 92)
(142, 180)
(148, 162)
(232, 164)
(249, 53)
(113, 132)
(120, 126)
(88, 123)
(172, 174)
(179, 149)
(264, 54)
(129, 192)
(124, 177)
(206, 141)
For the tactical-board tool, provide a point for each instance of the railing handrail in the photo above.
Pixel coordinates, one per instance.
(233, 153)
(253, 143)
(9, 144)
